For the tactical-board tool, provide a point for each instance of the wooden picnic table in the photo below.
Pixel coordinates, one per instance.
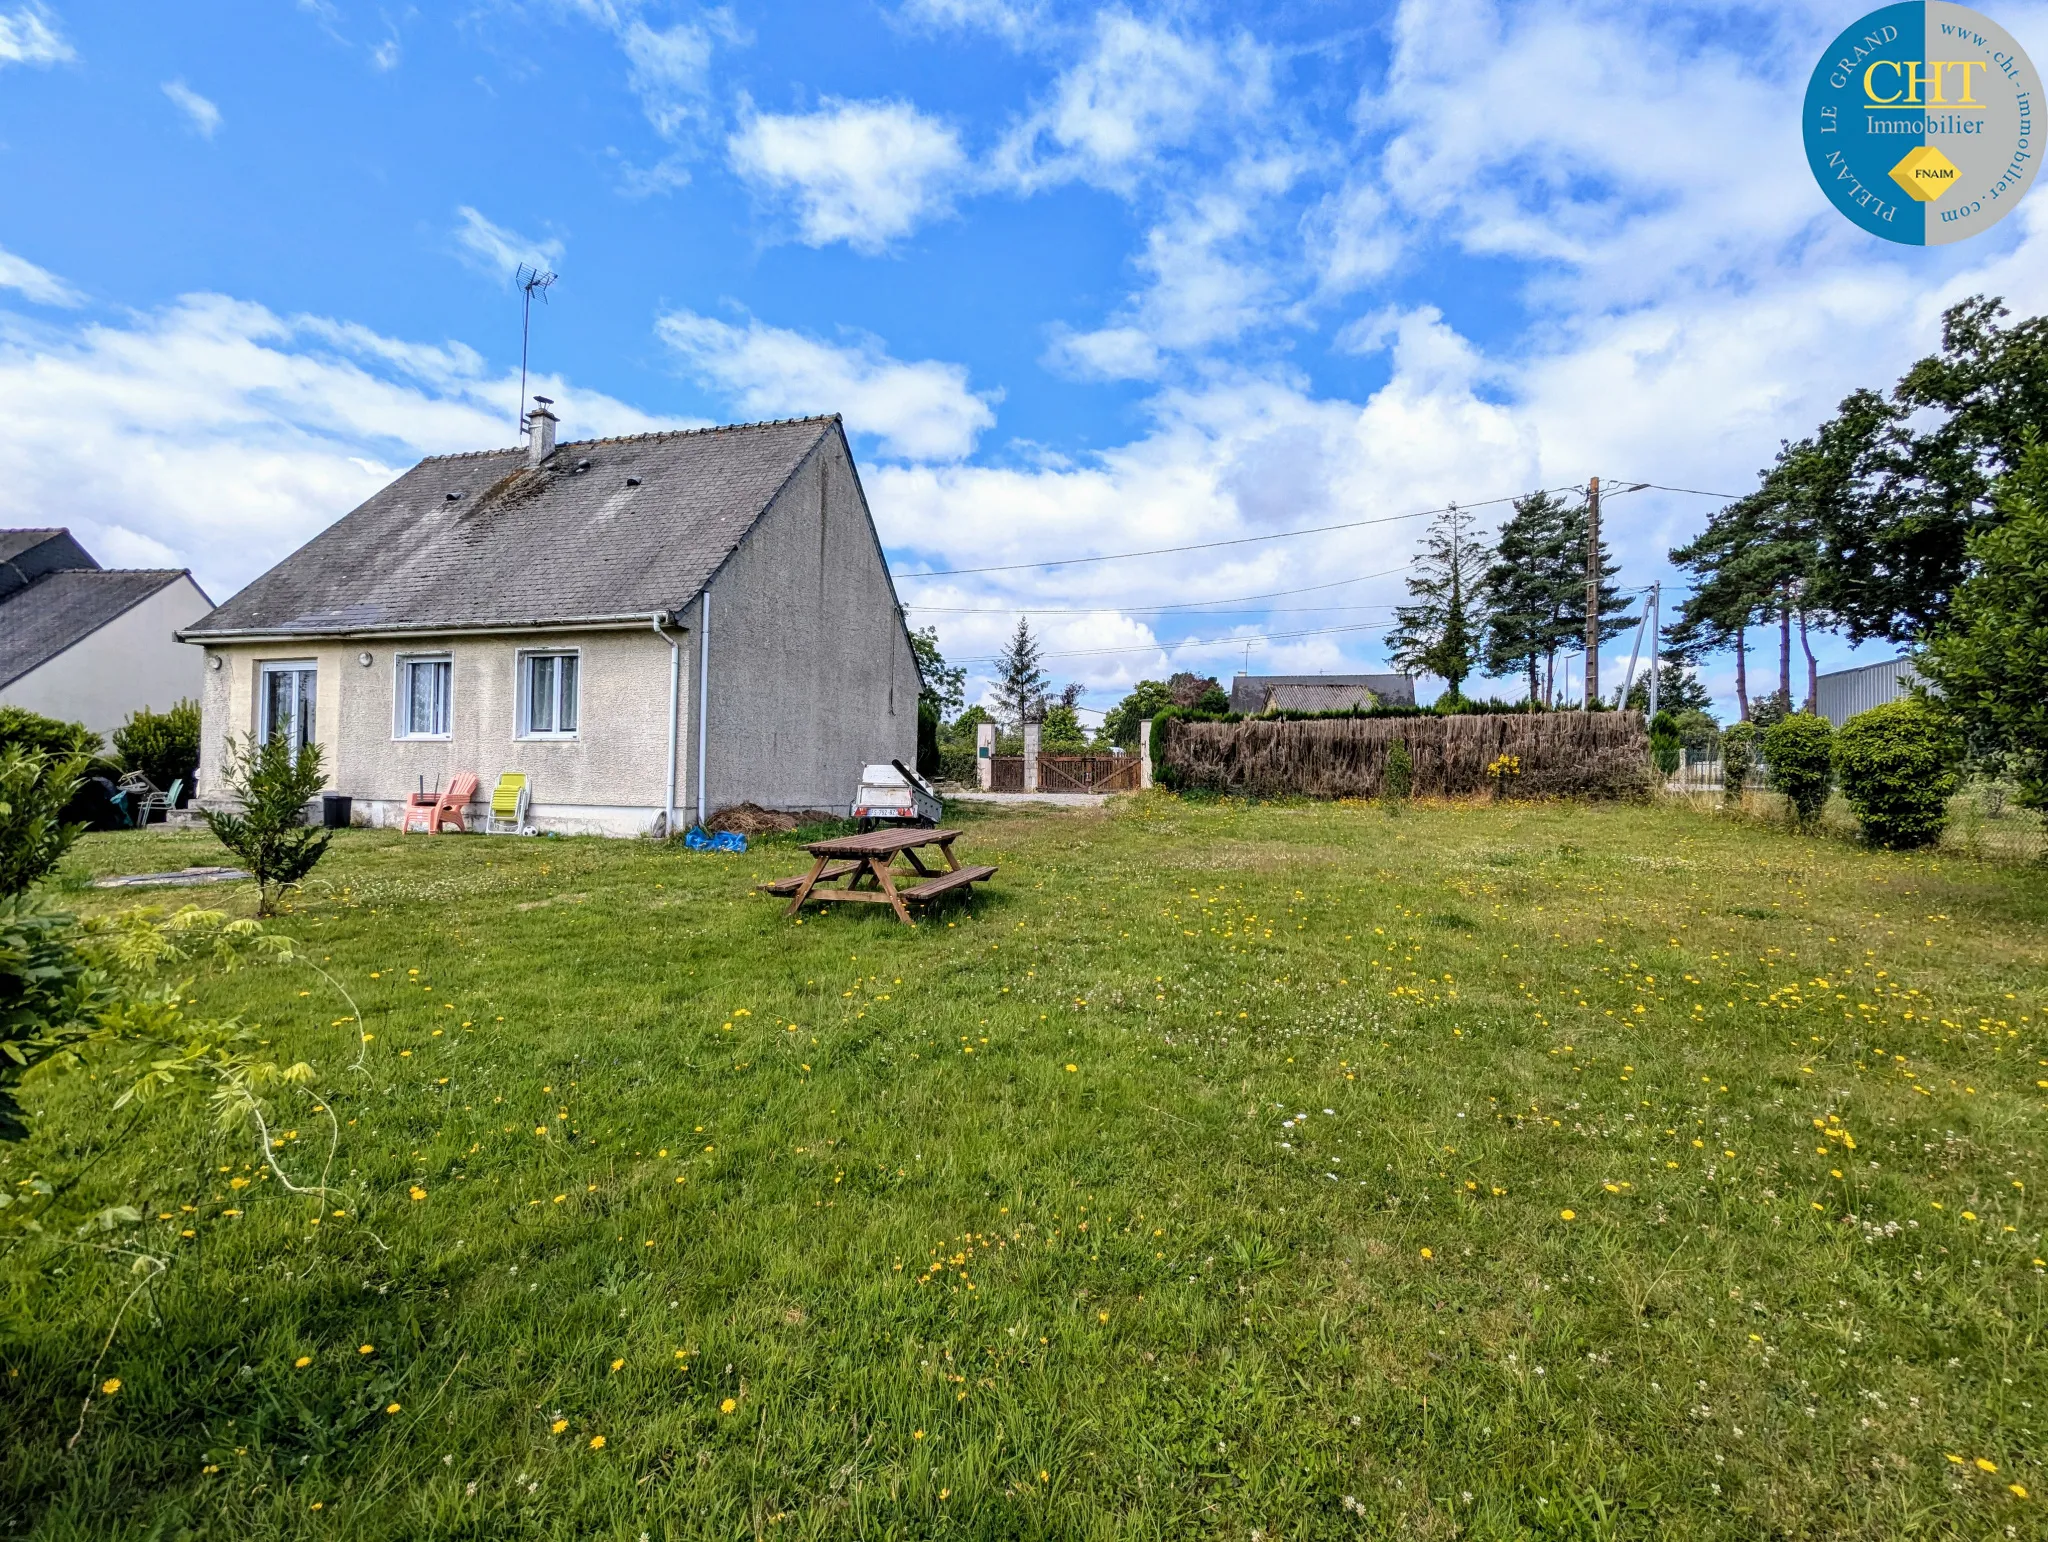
(864, 862)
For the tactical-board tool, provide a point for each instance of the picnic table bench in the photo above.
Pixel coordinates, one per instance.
(864, 863)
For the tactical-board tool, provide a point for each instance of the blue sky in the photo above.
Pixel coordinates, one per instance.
(1081, 279)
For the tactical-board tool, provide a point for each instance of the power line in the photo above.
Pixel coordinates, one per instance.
(1243, 540)
(1098, 610)
(1661, 488)
(1211, 642)
(1278, 535)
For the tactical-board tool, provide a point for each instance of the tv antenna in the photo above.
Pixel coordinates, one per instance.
(531, 281)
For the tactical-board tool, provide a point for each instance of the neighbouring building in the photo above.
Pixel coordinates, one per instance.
(1840, 695)
(90, 644)
(646, 628)
(1319, 693)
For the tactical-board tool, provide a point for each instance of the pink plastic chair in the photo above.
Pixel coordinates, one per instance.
(444, 808)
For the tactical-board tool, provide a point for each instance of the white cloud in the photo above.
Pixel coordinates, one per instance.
(217, 434)
(387, 54)
(29, 35)
(864, 173)
(1012, 23)
(205, 117)
(667, 67)
(917, 411)
(1142, 88)
(493, 249)
(1107, 353)
(35, 284)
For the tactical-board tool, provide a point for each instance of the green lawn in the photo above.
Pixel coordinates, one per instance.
(1223, 1171)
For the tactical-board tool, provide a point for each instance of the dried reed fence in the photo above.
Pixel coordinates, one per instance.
(1563, 754)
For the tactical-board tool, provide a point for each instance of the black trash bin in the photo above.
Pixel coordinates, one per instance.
(335, 808)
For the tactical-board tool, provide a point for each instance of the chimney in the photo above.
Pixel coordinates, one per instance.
(540, 431)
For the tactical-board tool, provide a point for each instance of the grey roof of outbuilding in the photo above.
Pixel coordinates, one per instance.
(1310, 693)
(66, 607)
(481, 540)
(14, 542)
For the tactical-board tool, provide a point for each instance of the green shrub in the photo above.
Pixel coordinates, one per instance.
(31, 731)
(163, 746)
(1898, 766)
(1665, 742)
(1738, 759)
(1799, 750)
(270, 834)
(1698, 732)
(34, 789)
(1397, 781)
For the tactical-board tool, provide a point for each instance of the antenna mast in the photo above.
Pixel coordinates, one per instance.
(531, 281)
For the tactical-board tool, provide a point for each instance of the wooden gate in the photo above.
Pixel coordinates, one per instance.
(1087, 773)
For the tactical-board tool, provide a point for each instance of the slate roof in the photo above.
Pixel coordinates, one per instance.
(61, 608)
(482, 540)
(26, 555)
(1319, 693)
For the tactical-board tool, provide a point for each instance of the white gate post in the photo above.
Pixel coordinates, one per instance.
(984, 755)
(1030, 755)
(1145, 754)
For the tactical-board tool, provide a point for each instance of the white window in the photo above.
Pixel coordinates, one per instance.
(423, 686)
(286, 704)
(547, 695)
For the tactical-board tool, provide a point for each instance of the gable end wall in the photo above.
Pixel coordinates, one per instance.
(811, 673)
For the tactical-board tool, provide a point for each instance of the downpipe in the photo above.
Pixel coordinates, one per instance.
(703, 694)
(675, 697)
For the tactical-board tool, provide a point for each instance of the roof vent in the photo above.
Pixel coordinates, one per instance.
(451, 497)
(632, 481)
(540, 431)
(583, 465)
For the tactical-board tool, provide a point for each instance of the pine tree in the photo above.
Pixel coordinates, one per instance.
(1532, 586)
(1020, 677)
(1439, 633)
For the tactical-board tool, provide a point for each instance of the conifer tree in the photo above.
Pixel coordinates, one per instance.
(1439, 631)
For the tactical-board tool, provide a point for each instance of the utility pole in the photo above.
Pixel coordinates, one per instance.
(1656, 620)
(1592, 593)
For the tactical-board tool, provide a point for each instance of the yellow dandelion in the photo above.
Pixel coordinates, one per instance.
(1102, 1317)
(2019, 1490)
(618, 1365)
(1072, 1067)
(367, 1349)
(727, 1406)
(110, 1386)
(558, 1426)
(302, 1362)
(417, 1192)
(1986, 1466)
(1426, 1253)
(1567, 1215)
(597, 1442)
(917, 1434)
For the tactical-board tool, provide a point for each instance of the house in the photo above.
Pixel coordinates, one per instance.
(1253, 694)
(89, 644)
(1840, 695)
(647, 628)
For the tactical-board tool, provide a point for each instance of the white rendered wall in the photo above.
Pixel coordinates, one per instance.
(134, 661)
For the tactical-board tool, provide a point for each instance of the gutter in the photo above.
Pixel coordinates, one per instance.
(632, 620)
(675, 685)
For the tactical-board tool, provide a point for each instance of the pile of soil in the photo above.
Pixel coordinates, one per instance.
(752, 819)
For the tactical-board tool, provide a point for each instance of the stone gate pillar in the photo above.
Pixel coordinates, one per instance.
(1145, 754)
(985, 756)
(1030, 755)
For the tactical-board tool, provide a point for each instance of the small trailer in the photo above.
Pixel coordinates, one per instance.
(893, 794)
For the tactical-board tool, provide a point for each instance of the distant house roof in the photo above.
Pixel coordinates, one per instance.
(40, 621)
(605, 529)
(1319, 693)
(26, 555)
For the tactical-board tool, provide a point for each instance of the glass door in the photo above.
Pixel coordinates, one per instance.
(288, 699)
